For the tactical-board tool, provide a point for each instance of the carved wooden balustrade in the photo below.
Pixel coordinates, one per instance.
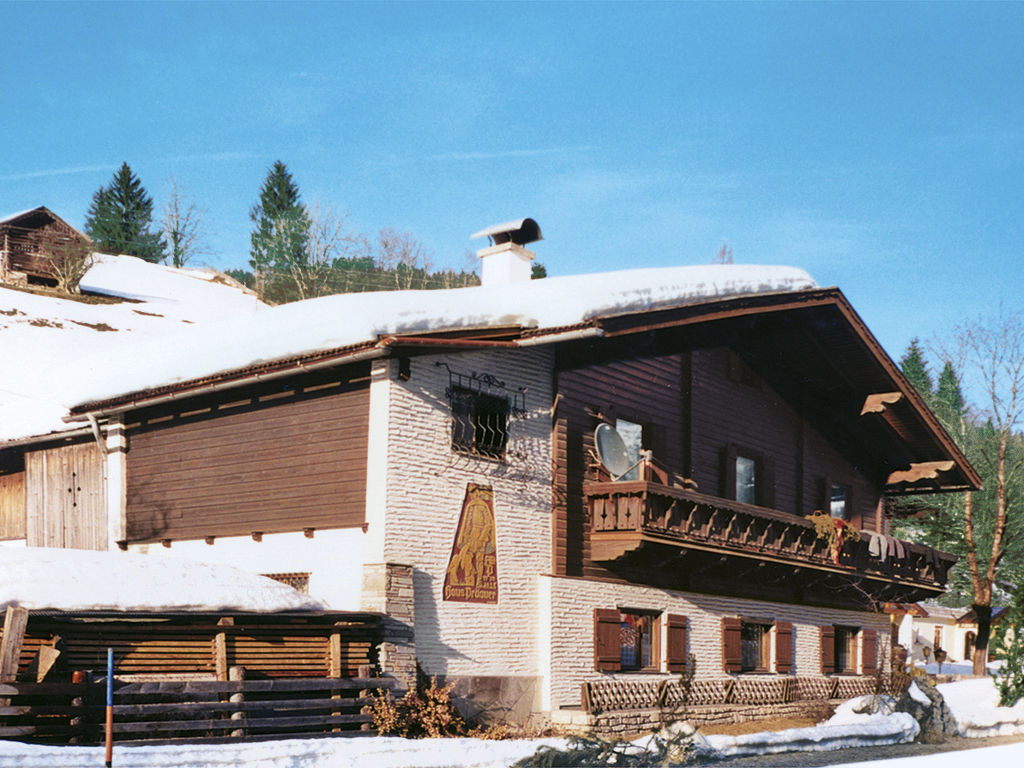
(625, 515)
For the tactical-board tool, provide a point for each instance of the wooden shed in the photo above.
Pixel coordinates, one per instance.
(28, 241)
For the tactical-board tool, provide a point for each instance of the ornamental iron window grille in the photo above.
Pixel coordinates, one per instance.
(482, 407)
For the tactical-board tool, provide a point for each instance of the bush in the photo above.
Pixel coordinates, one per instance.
(427, 712)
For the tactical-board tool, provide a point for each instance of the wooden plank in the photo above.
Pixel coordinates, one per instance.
(15, 621)
(259, 686)
(279, 705)
(253, 724)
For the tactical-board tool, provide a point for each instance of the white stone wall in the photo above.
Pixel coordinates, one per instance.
(333, 558)
(570, 626)
(424, 486)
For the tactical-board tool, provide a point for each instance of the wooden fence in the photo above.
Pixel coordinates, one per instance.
(617, 695)
(73, 713)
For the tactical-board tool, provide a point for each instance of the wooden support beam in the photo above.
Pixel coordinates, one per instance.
(925, 470)
(877, 403)
(15, 621)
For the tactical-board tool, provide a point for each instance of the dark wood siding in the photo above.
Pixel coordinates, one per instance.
(703, 405)
(642, 390)
(271, 461)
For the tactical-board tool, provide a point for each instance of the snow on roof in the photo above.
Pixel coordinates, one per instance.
(78, 580)
(123, 363)
(337, 321)
(50, 346)
(129, 277)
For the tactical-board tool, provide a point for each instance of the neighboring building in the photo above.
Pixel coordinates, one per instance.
(28, 242)
(930, 627)
(431, 455)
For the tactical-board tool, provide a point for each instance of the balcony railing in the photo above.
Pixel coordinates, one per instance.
(624, 515)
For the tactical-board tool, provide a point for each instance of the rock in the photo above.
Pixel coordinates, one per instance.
(926, 705)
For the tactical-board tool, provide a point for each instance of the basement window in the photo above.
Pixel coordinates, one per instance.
(479, 422)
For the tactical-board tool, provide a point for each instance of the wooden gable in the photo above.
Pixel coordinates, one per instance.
(28, 241)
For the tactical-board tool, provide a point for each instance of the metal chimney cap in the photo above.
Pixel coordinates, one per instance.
(520, 232)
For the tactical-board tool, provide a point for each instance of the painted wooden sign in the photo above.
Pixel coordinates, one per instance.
(472, 575)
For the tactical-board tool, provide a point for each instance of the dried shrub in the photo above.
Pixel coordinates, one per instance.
(427, 712)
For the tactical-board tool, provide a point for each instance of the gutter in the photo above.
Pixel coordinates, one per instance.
(589, 332)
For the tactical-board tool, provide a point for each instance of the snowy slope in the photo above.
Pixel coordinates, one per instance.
(78, 580)
(50, 347)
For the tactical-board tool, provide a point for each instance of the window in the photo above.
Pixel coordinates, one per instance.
(837, 501)
(633, 436)
(747, 476)
(479, 423)
(845, 652)
(746, 480)
(747, 645)
(636, 641)
(630, 640)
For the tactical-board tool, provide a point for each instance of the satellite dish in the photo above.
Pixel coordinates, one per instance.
(612, 451)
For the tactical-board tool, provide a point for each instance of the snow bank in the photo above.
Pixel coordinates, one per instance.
(79, 580)
(379, 752)
(865, 731)
(975, 705)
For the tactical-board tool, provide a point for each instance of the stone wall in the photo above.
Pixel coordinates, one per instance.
(569, 627)
(632, 722)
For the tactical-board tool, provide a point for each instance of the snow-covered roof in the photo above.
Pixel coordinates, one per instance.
(103, 368)
(38, 578)
(50, 346)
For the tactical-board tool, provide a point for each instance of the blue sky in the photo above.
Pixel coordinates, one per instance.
(879, 146)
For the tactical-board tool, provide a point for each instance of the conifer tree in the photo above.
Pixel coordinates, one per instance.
(280, 236)
(119, 217)
(916, 370)
(950, 406)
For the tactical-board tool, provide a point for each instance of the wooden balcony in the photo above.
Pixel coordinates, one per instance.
(629, 517)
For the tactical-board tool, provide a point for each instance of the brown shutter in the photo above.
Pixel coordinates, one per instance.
(828, 650)
(732, 645)
(675, 643)
(869, 651)
(607, 647)
(783, 647)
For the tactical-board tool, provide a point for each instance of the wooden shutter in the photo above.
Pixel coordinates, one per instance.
(869, 651)
(828, 649)
(675, 643)
(607, 647)
(732, 644)
(783, 647)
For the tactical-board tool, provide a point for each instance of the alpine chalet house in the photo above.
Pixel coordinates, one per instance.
(558, 490)
(29, 241)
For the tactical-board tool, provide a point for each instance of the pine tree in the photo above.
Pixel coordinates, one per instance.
(280, 237)
(119, 217)
(950, 406)
(916, 370)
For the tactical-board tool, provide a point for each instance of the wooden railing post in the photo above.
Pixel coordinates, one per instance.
(365, 670)
(220, 648)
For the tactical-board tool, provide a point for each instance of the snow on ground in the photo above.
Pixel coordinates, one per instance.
(975, 705)
(848, 728)
(379, 752)
(79, 580)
